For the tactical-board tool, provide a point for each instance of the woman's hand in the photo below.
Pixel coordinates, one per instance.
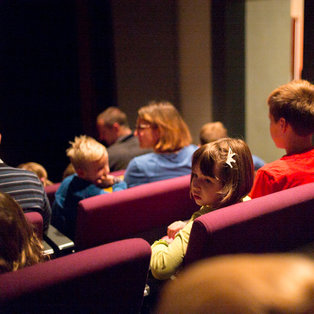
(174, 228)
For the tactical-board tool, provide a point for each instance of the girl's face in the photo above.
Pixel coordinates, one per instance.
(204, 189)
(147, 136)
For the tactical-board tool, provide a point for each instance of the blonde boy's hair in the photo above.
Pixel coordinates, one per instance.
(174, 133)
(85, 150)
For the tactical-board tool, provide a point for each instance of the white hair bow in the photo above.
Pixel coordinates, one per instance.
(230, 158)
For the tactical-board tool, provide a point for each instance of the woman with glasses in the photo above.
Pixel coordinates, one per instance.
(160, 127)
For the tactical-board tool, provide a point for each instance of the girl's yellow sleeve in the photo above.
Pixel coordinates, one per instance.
(166, 258)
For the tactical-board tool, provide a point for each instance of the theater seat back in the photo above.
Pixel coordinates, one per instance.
(51, 191)
(144, 211)
(36, 220)
(105, 279)
(278, 222)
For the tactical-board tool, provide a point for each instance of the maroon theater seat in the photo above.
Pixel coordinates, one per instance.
(36, 220)
(141, 211)
(105, 279)
(118, 173)
(51, 191)
(279, 222)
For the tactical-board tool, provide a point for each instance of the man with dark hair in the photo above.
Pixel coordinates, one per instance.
(122, 145)
(26, 188)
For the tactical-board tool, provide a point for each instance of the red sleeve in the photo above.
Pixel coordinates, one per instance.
(263, 184)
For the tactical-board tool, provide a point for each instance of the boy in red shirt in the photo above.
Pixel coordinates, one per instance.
(291, 114)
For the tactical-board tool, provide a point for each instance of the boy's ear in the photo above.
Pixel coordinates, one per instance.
(283, 124)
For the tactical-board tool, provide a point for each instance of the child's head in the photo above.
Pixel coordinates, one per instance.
(212, 131)
(89, 158)
(242, 283)
(19, 246)
(295, 103)
(161, 127)
(38, 169)
(222, 173)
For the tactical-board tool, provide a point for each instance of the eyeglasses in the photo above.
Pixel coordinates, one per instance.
(140, 127)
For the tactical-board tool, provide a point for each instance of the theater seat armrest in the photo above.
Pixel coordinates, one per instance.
(48, 250)
(61, 244)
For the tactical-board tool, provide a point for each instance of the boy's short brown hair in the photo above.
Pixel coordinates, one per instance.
(237, 180)
(295, 103)
(85, 150)
(174, 132)
(212, 131)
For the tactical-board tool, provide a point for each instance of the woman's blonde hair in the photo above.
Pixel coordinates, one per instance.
(236, 178)
(85, 150)
(174, 133)
(39, 170)
(19, 245)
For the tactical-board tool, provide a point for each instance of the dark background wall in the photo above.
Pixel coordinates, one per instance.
(145, 50)
(62, 62)
(228, 60)
(308, 62)
(56, 72)
(59, 61)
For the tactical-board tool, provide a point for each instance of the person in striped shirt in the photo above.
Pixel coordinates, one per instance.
(26, 188)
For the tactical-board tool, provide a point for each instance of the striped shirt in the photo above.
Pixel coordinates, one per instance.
(25, 187)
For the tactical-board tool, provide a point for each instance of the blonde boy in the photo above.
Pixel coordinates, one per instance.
(90, 161)
(291, 115)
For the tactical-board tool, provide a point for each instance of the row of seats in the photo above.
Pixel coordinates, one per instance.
(280, 222)
(144, 211)
(277, 222)
(106, 279)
